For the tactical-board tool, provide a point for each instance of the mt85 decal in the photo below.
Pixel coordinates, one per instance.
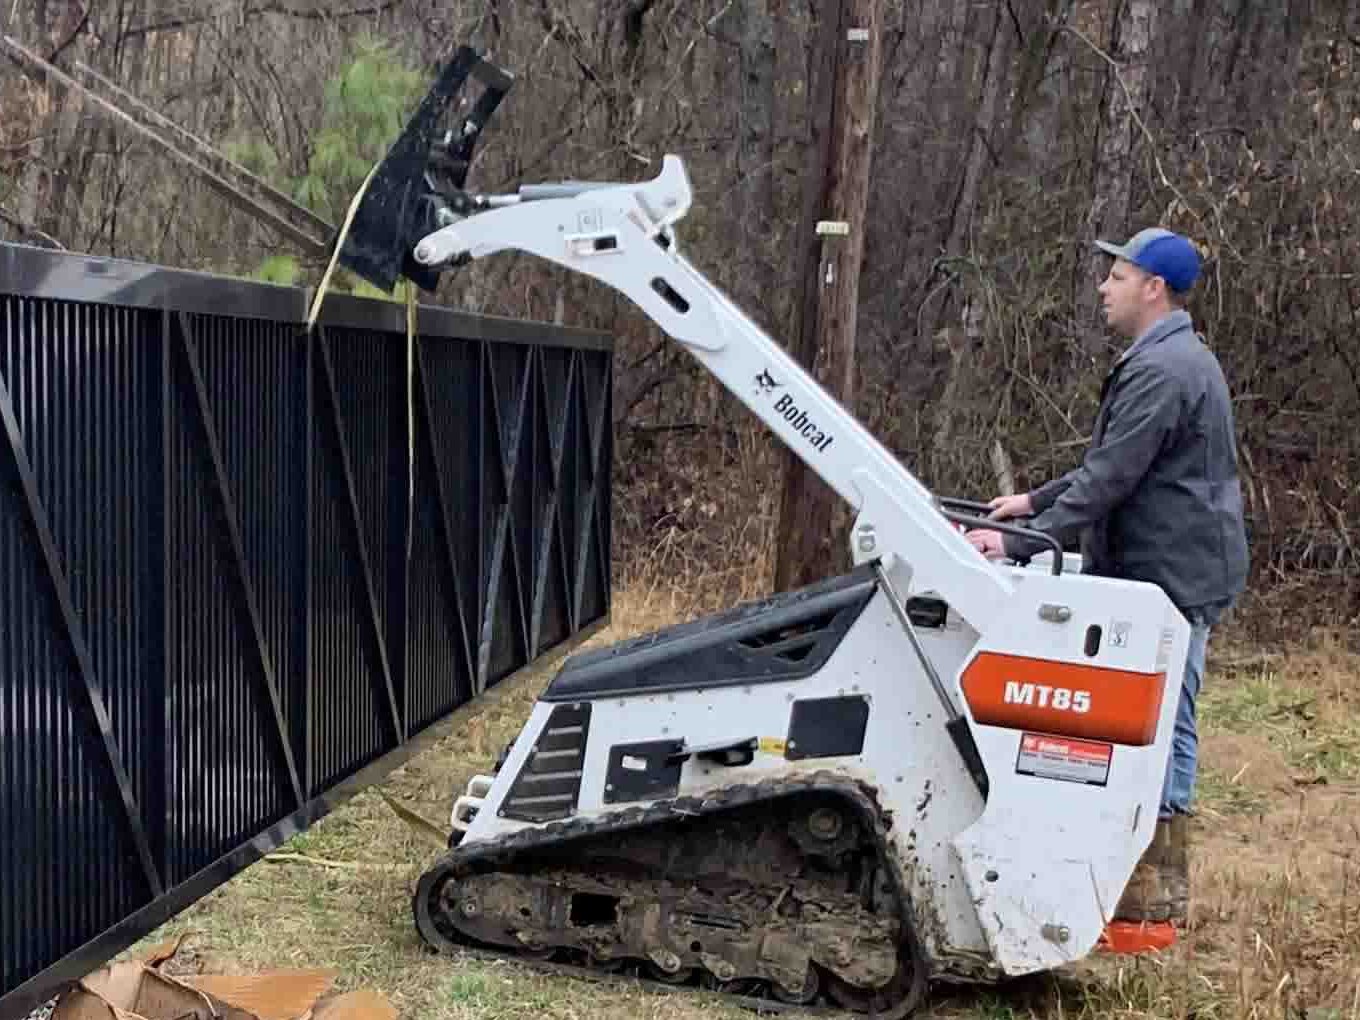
(1063, 698)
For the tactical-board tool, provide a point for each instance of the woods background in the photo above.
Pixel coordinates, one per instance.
(1007, 136)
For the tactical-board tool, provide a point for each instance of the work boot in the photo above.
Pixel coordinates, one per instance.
(1178, 869)
(1147, 897)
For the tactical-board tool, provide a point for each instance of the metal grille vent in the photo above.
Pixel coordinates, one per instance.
(549, 782)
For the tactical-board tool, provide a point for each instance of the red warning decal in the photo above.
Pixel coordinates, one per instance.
(1066, 758)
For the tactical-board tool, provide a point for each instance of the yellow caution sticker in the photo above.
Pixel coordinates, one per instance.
(772, 745)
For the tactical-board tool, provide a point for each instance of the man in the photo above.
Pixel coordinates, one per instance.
(1156, 498)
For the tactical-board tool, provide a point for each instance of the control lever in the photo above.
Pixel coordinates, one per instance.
(975, 514)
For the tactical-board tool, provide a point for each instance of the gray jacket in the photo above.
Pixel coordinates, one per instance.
(1156, 497)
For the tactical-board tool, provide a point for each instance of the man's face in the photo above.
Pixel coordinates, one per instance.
(1128, 293)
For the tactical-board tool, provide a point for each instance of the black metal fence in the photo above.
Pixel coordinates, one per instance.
(242, 565)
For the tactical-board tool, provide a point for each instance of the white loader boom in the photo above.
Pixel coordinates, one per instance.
(622, 236)
(1018, 741)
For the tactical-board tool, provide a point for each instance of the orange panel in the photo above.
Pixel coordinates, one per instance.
(1064, 698)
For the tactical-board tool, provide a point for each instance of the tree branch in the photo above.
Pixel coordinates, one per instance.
(1015, 24)
(21, 146)
(1142, 127)
(80, 24)
(322, 14)
(560, 28)
(167, 26)
(31, 231)
(318, 14)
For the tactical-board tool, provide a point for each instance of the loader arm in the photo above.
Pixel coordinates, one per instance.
(622, 235)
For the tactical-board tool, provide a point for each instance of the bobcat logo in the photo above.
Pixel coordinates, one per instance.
(765, 383)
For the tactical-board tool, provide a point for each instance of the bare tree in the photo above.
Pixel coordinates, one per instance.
(1117, 133)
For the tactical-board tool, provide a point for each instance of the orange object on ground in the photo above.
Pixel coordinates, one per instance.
(1137, 936)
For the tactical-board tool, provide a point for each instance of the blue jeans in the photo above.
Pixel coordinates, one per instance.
(1179, 786)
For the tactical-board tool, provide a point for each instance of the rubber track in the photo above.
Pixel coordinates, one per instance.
(858, 795)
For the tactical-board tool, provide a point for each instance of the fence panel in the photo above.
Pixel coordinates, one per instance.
(242, 566)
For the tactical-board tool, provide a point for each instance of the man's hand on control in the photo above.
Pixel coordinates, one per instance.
(1004, 507)
(988, 542)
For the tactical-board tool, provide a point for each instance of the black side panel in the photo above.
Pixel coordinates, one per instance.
(549, 782)
(827, 727)
(785, 637)
(646, 771)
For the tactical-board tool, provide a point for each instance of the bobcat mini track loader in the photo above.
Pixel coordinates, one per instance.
(935, 767)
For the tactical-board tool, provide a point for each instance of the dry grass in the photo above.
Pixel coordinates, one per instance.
(1276, 914)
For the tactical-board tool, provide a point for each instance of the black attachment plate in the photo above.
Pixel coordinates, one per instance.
(644, 771)
(398, 208)
(827, 727)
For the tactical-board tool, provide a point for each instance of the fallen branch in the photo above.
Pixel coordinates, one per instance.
(427, 830)
(286, 857)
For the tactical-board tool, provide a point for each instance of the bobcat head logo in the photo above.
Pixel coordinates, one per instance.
(765, 382)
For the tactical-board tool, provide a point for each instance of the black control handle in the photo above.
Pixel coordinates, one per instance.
(967, 511)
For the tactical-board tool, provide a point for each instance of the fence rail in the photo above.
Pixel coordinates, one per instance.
(242, 566)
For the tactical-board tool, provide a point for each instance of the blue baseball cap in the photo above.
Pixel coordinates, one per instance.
(1161, 253)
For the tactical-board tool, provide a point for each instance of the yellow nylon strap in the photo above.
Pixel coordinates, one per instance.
(322, 289)
(325, 284)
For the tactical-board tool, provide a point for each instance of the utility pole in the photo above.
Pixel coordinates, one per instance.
(843, 91)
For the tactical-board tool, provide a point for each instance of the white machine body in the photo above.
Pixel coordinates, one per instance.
(1068, 683)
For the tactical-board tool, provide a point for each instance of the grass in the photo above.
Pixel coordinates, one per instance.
(1275, 927)
(1303, 708)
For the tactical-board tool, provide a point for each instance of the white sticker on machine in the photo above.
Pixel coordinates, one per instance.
(1164, 648)
(1075, 761)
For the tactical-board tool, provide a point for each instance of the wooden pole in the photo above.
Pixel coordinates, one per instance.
(846, 65)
